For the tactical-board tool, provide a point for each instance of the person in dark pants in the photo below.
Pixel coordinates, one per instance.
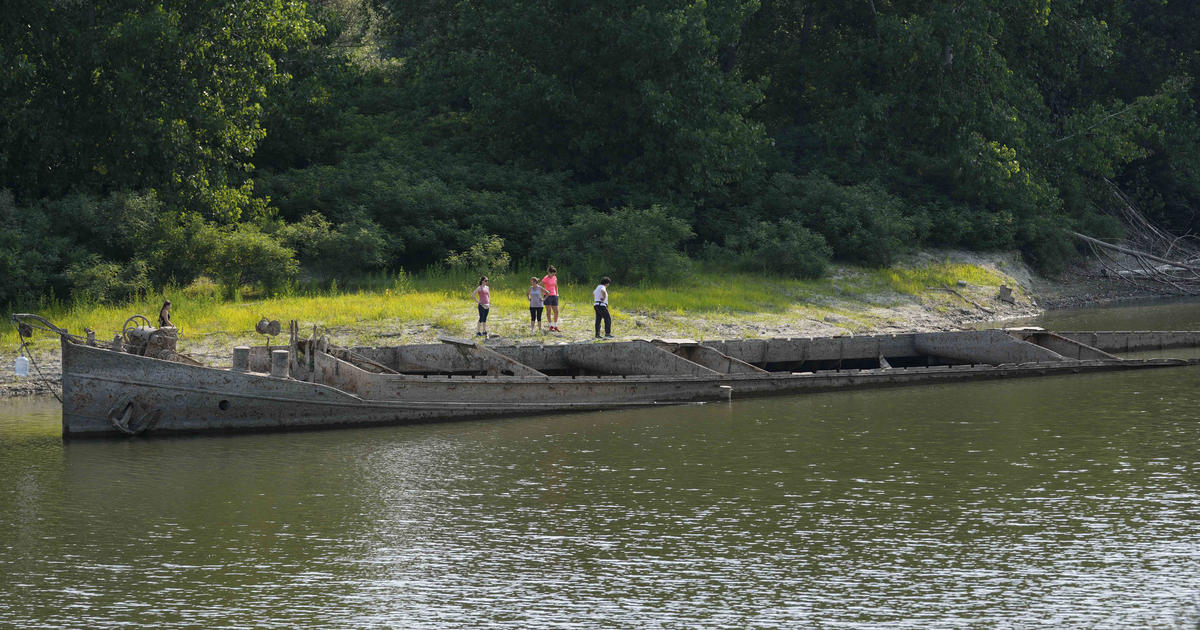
(600, 303)
(483, 301)
(535, 294)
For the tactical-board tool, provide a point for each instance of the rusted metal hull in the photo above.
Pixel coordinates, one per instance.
(779, 383)
(105, 392)
(112, 393)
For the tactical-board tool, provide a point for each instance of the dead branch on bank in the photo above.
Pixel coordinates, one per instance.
(1152, 259)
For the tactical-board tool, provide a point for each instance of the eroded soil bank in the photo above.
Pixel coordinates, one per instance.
(950, 307)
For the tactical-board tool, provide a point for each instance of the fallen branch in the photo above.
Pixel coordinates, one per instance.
(1150, 258)
(1136, 253)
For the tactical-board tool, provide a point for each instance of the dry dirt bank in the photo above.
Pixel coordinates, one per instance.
(961, 306)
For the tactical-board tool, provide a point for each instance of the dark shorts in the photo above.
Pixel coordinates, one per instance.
(550, 300)
(535, 313)
(483, 313)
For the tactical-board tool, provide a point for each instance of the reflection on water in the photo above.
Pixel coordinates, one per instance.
(1068, 502)
(1175, 314)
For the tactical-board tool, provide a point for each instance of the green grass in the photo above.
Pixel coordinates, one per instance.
(912, 281)
(439, 302)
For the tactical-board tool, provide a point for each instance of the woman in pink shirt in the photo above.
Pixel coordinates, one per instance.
(550, 283)
(483, 300)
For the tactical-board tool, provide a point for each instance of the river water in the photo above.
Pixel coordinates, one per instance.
(1063, 502)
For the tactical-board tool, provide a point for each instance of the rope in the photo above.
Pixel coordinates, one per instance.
(26, 349)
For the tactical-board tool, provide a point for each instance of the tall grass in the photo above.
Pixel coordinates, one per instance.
(916, 280)
(440, 300)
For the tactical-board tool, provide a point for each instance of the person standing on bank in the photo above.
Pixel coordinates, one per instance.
(483, 300)
(164, 315)
(600, 299)
(550, 283)
(535, 304)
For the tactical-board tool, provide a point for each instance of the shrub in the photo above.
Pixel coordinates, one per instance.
(862, 223)
(96, 281)
(307, 237)
(29, 251)
(178, 247)
(359, 246)
(202, 288)
(430, 199)
(244, 255)
(785, 248)
(631, 243)
(1045, 245)
(402, 283)
(957, 226)
(486, 256)
(355, 247)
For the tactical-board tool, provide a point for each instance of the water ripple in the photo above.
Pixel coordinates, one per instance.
(989, 505)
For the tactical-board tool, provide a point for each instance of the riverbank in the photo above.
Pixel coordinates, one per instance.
(928, 292)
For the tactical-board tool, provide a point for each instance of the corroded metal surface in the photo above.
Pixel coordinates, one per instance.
(632, 358)
(1065, 346)
(776, 383)
(1136, 340)
(97, 382)
(708, 357)
(109, 392)
(982, 346)
(489, 361)
(514, 389)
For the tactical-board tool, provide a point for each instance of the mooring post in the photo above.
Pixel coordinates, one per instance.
(279, 363)
(241, 359)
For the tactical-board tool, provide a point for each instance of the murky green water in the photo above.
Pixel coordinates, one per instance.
(1069, 502)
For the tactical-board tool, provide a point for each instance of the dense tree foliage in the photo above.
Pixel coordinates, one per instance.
(116, 95)
(627, 93)
(257, 141)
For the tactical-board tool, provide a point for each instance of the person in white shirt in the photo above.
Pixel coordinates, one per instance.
(600, 303)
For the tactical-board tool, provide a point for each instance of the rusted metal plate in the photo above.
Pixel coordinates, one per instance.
(982, 346)
(109, 392)
(99, 384)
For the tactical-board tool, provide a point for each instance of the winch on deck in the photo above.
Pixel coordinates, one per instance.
(140, 338)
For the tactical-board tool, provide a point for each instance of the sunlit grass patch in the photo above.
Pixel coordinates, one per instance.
(714, 293)
(439, 302)
(916, 280)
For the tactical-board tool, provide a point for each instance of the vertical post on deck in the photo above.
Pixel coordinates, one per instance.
(279, 363)
(241, 359)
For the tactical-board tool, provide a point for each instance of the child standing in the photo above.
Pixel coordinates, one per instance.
(535, 304)
(550, 282)
(483, 300)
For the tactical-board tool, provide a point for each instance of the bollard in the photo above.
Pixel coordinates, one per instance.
(279, 363)
(241, 359)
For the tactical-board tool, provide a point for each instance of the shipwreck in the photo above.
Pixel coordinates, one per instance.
(140, 384)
